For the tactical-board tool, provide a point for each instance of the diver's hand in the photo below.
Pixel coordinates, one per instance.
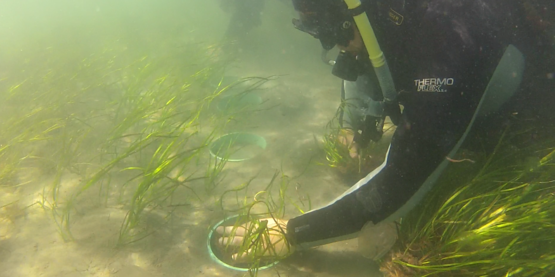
(273, 231)
(347, 138)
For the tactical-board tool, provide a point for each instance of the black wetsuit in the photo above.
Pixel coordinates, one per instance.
(442, 54)
(245, 16)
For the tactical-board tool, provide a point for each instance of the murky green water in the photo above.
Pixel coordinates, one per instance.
(107, 111)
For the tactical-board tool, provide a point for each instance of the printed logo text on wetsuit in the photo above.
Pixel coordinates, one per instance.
(433, 84)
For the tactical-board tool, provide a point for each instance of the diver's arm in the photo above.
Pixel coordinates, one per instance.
(410, 160)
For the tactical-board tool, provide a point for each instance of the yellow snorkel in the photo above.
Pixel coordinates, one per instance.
(375, 53)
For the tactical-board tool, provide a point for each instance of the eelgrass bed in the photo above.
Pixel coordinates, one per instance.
(499, 222)
(114, 129)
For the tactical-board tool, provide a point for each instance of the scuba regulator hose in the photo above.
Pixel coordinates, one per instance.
(375, 53)
(325, 59)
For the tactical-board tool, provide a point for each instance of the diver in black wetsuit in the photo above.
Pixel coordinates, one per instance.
(245, 16)
(453, 62)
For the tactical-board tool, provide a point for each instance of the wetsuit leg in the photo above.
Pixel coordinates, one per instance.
(245, 17)
(358, 101)
(351, 106)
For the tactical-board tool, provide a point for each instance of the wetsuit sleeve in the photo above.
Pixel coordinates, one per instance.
(455, 54)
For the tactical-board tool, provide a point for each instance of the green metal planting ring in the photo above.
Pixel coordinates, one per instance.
(222, 148)
(216, 259)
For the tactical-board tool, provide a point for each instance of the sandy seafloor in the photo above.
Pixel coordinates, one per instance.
(300, 103)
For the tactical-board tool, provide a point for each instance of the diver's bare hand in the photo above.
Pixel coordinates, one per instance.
(262, 234)
(346, 137)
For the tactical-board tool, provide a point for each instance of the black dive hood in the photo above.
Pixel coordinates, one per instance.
(327, 20)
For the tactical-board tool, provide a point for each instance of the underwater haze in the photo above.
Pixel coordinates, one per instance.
(108, 113)
(131, 129)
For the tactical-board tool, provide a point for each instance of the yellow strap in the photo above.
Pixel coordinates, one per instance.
(368, 36)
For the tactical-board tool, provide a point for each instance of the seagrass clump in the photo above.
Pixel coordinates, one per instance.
(498, 222)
